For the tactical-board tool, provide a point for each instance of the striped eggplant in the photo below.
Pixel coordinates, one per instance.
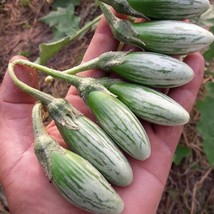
(76, 179)
(167, 37)
(83, 185)
(173, 37)
(150, 105)
(170, 9)
(147, 68)
(120, 123)
(116, 119)
(89, 141)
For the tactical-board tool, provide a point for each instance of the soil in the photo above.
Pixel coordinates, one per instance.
(190, 186)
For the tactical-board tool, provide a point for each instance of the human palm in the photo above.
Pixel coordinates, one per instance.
(23, 179)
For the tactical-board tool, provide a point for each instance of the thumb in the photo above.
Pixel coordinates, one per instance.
(10, 92)
(15, 117)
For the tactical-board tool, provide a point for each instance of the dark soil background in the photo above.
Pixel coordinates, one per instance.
(190, 187)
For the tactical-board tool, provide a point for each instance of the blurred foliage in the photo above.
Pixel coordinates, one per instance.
(205, 107)
(50, 49)
(209, 54)
(206, 20)
(181, 153)
(206, 124)
(25, 3)
(64, 23)
(62, 20)
(65, 3)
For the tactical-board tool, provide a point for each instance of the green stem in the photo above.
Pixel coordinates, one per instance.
(92, 64)
(38, 126)
(105, 61)
(44, 144)
(85, 27)
(43, 97)
(74, 80)
(48, 50)
(83, 84)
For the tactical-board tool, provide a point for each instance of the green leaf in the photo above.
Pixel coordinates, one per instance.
(206, 124)
(48, 50)
(209, 72)
(209, 54)
(65, 3)
(62, 21)
(181, 153)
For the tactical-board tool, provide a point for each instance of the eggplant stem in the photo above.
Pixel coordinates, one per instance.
(39, 95)
(74, 80)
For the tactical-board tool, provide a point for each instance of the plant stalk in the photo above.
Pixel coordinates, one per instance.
(92, 64)
(74, 80)
(41, 96)
(83, 84)
(105, 61)
(44, 144)
(85, 28)
(38, 126)
(60, 44)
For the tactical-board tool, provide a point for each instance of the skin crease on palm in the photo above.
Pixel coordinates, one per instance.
(28, 190)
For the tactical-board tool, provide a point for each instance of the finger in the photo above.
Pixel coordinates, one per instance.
(15, 110)
(10, 92)
(102, 41)
(185, 95)
(163, 144)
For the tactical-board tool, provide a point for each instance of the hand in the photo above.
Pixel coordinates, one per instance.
(26, 186)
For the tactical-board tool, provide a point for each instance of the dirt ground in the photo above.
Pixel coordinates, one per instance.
(190, 186)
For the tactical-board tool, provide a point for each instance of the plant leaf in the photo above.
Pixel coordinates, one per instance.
(65, 3)
(209, 54)
(181, 153)
(206, 124)
(48, 50)
(62, 21)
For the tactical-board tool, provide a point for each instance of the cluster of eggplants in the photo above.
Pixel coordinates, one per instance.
(83, 176)
(160, 9)
(78, 181)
